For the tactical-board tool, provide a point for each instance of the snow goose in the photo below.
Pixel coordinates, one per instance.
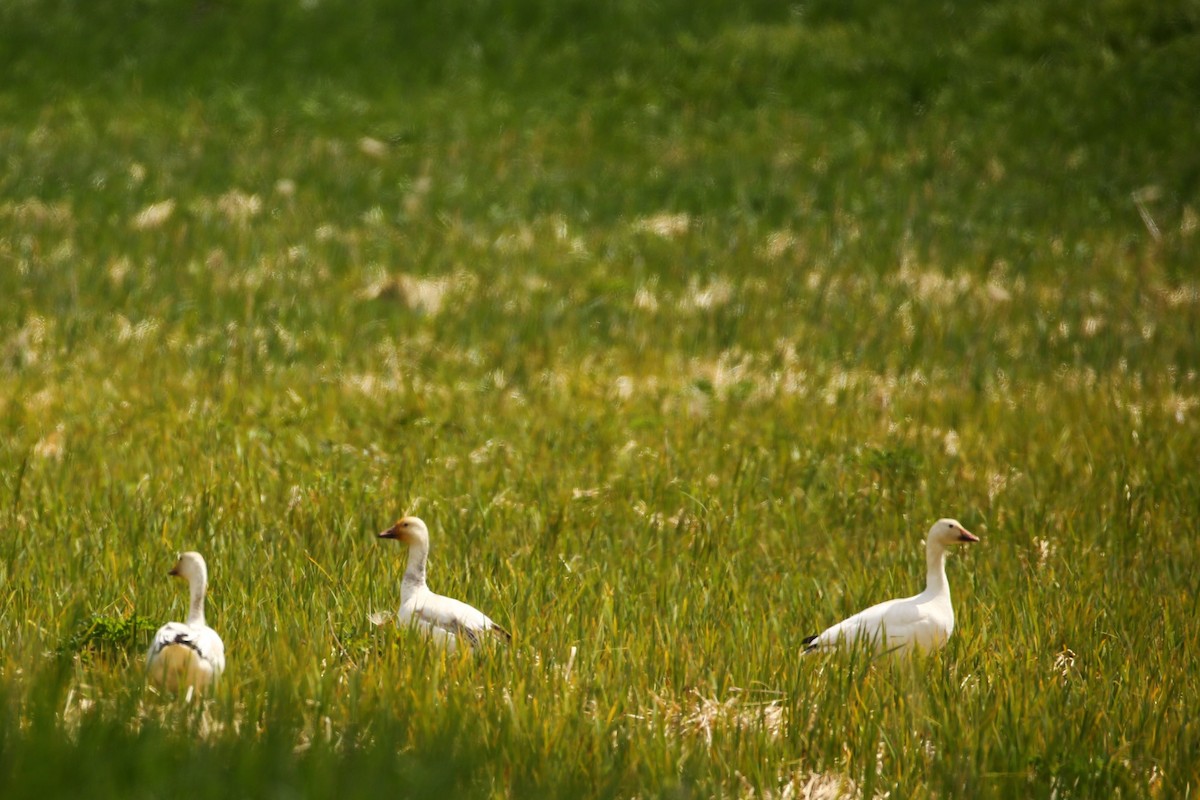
(923, 621)
(442, 618)
(187, 654)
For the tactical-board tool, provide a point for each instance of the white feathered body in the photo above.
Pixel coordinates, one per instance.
(182, 655)
(444, 620)
(921, 622)
(187, 654)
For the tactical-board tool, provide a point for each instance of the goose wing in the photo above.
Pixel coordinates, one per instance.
(458, 618)
(899, 618)
(203, 641)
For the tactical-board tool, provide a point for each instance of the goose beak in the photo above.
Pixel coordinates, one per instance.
(391, 533)
(173, 571)
(965, 535)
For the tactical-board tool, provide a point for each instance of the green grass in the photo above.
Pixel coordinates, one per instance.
(679, 325)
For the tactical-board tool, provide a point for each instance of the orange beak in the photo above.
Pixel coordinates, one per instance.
(391, 533)
(965, 535)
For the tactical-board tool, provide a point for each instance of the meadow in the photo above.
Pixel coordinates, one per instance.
(679, 323)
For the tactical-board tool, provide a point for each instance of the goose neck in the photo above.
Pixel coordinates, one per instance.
(414, 573)
(935, 566)
(196, 587)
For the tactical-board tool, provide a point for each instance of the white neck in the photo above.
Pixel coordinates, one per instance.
(414, 573)
(197, 585)
(935, 570)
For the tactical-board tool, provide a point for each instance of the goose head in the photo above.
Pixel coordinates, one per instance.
(409, 530)
(190, 567)
(950, 531)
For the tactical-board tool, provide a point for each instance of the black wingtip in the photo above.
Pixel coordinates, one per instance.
(186, 640)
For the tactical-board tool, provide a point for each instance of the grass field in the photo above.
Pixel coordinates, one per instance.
(679, 323)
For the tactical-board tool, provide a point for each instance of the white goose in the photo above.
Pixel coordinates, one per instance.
(442, 618)
(187, 654)
(924, 621)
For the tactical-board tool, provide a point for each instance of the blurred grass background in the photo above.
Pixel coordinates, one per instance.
(679, 323)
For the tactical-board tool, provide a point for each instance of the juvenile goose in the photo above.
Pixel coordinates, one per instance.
(924, 621)
(442, 618)
(187, 654)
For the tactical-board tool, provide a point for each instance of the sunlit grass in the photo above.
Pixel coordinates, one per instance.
(677, 325)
